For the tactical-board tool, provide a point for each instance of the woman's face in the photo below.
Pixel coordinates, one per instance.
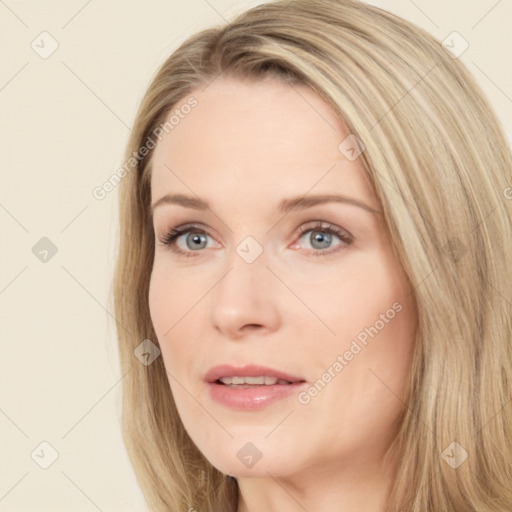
(273, 275)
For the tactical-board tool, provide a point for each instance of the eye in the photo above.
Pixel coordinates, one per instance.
(189, 239)
(321, 237)
(194, 237)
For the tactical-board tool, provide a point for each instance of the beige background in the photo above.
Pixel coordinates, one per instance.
(63, 125)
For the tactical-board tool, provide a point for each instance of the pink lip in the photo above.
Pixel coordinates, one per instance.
(252, 398)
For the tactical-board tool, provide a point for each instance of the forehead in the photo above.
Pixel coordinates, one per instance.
(260, 137)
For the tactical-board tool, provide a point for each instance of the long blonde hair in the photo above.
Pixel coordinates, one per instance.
(440, 164)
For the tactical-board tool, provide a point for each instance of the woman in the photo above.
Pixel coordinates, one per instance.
(314, 271)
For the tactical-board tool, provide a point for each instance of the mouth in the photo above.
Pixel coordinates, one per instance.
(249, 375)
(250, 382)
(250, 387)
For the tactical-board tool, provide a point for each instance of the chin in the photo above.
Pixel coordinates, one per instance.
(254, 456)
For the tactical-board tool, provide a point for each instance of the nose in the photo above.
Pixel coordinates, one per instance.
(245, 300)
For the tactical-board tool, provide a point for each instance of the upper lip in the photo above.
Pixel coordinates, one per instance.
(226, 370)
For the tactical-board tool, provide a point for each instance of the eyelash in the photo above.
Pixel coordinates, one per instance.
(169, 239)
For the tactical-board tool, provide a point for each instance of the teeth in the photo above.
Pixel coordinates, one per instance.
(259, 381)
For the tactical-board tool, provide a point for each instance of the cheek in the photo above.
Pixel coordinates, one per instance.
(371, 310)
(165, 309)
(174, 304)
(375, 339)
(176, 324)
(353, 297)
(392, 350)
(172, 295)
(387, 340)
(160, 301)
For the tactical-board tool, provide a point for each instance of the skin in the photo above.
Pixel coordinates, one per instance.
(246, 146)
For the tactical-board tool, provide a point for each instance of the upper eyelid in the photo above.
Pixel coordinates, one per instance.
(323, 224)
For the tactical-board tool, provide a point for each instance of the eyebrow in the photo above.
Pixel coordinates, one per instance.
(285, 206)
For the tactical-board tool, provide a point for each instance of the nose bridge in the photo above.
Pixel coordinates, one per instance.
(247, 264)
(244, 295)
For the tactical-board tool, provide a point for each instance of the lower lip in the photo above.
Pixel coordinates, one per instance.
(254, 398)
